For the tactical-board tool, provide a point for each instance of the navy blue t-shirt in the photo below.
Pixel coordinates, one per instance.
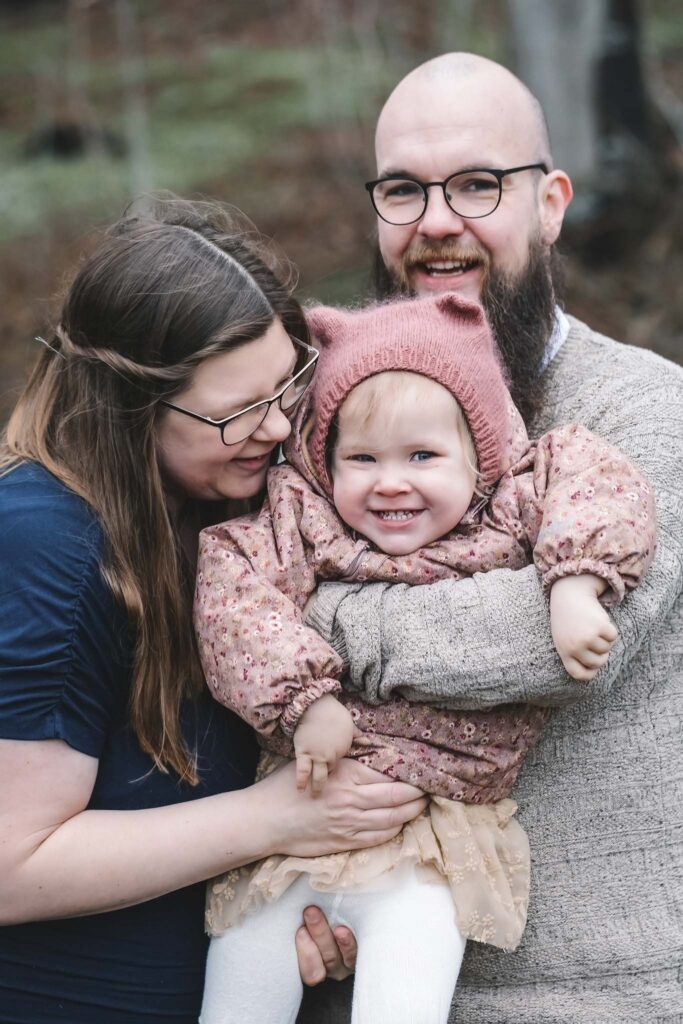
(65, 673)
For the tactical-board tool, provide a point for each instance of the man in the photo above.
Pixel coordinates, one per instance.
(601, 795)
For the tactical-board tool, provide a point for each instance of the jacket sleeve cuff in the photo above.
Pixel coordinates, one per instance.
(581, 567)
(291, 716)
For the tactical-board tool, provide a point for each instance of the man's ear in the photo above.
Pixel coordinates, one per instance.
(554, 197)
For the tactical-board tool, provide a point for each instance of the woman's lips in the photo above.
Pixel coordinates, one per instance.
(253, 464)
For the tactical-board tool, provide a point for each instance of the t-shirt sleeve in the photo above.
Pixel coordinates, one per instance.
(65, 649)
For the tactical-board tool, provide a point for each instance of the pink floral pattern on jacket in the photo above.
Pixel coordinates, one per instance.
(571, 503)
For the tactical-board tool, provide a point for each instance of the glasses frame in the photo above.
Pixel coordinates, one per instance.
(424, 185)
(266, 402)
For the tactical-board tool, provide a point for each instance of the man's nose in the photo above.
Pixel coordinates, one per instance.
(438, 220)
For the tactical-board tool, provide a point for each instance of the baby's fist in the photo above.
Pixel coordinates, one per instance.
(582, 630)
(323, 736)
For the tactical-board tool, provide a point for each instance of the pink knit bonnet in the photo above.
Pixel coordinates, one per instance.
(444, 337)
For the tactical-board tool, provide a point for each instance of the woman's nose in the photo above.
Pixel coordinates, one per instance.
(275, 427)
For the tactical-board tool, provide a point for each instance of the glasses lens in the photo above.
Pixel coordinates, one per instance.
(473, 193)
(295, 391)
(398, 201)
(245, 424)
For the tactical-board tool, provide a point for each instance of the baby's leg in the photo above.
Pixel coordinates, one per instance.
(409, 949)
(252, 976)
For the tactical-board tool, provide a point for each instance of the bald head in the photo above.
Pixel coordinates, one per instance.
(469, 93)
(467, 201)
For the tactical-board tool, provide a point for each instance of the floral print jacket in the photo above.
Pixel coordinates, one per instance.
(571, 502)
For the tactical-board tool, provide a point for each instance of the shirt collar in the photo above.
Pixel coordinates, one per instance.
(557, 338)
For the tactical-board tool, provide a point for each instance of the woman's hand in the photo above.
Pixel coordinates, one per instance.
(324, 952)
(358, 807)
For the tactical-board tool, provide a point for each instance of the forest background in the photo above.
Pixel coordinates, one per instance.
(270, 106)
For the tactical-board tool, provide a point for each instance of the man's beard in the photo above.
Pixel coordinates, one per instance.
(520, 310)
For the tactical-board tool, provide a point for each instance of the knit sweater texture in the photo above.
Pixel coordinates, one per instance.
(601, 795)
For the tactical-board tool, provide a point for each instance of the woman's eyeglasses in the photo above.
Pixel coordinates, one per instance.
(243, 424)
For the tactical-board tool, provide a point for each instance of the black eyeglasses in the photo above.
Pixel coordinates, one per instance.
(470, 194)
(244, 423)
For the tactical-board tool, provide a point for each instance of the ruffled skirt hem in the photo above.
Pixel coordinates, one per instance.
(481, 850)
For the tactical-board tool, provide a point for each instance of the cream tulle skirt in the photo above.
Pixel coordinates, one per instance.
(480, 849)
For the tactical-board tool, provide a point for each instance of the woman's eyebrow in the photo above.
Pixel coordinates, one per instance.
(240, 403)
(290, 371)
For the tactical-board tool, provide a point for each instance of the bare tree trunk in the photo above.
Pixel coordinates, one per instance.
(557, 46)
(582, 59)
(135, 105)
(78, 62)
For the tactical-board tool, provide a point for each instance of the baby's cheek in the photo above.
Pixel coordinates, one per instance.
(349, 506)
(342, 493)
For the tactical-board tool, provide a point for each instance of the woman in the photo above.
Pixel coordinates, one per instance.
(162, 394)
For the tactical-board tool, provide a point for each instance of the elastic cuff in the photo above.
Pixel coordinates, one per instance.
(581, 567)
(292, 714)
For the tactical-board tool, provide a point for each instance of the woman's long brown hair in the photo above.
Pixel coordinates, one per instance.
(161, 293)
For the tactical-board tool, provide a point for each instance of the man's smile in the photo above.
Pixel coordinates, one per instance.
(436, 268)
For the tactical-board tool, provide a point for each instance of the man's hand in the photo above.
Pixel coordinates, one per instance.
(323, 736)
(324, 952)
(582, 630)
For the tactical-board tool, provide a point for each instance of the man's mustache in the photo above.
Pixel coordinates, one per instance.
(427, 252)
(449, 252)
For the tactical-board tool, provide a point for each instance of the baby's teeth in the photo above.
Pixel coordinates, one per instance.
(396, 515)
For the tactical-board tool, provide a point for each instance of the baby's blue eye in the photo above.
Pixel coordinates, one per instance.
(361, 457)
(422, 456)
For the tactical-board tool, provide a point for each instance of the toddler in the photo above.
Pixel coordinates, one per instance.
(408, 463)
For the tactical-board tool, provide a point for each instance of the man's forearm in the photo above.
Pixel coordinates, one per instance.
(473, 643)
(448, 643)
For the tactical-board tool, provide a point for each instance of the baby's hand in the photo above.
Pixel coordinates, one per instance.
(582, 630)
(323, 736)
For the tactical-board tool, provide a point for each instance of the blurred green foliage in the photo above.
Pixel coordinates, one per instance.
(267, 103)
(214, 107)
(240, 106)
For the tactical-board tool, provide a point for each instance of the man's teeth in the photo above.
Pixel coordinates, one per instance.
(448, 266)
(407, 514)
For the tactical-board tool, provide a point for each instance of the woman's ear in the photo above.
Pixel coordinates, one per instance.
(554, 197)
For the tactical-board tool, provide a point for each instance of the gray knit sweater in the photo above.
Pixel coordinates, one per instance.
(601, 796)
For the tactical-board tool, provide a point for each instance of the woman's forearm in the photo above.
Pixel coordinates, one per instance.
(104, 860)
(59, 859)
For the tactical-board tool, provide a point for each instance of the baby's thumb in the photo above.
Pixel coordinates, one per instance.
(304, 766)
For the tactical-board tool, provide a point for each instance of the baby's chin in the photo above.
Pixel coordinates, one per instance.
(403, 549)
(398, 544)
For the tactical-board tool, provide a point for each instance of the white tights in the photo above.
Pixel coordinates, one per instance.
(409, 954)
